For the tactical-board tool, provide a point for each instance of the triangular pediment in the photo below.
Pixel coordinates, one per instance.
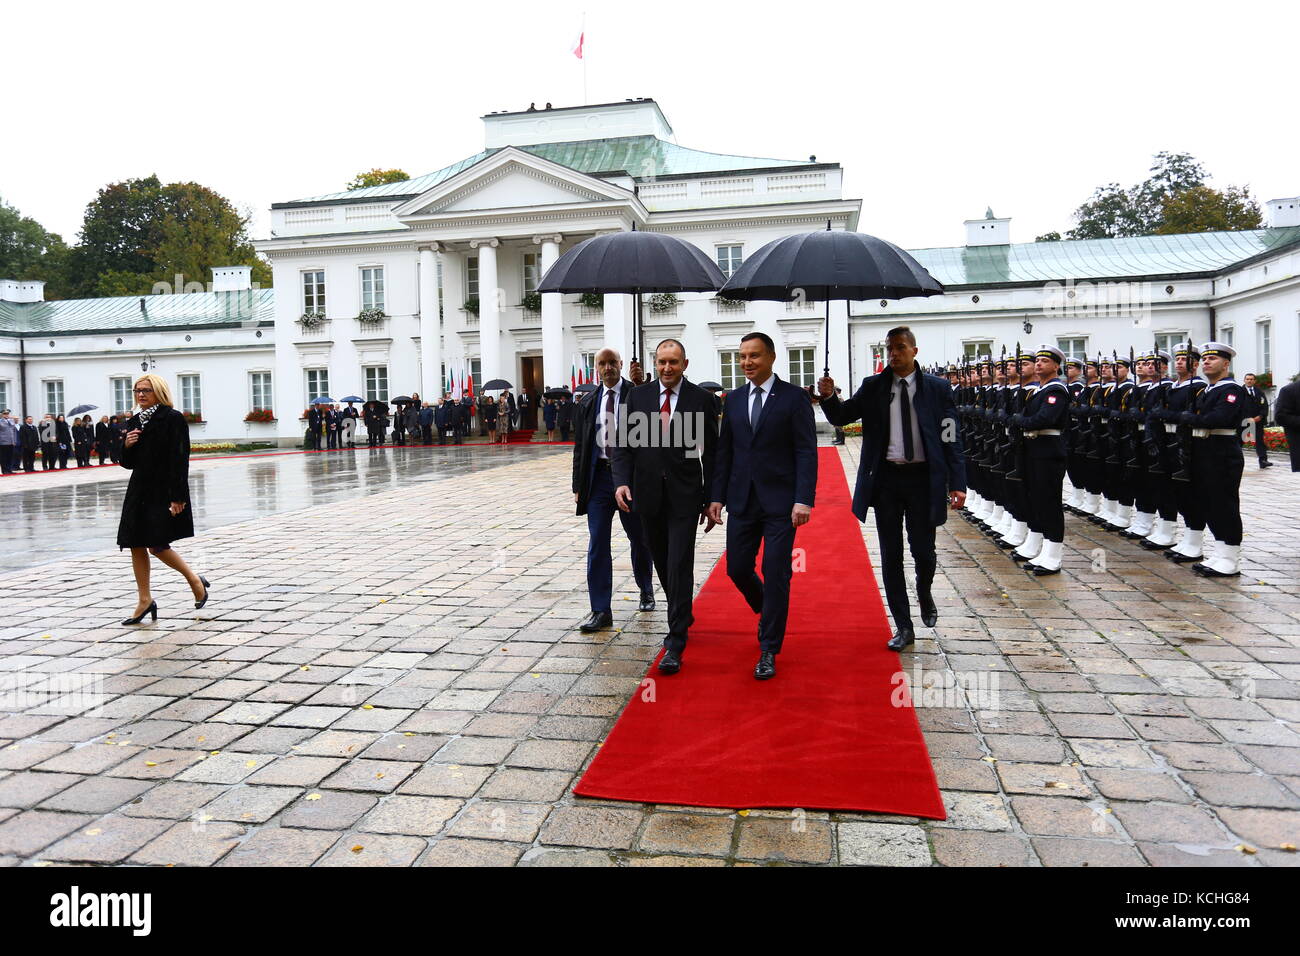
(511, 179)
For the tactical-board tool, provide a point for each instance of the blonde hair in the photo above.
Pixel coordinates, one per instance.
(161, 390)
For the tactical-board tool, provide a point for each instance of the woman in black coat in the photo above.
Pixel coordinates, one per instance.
(103, 438)
(83, 436)
(156, 510)
(64, 439)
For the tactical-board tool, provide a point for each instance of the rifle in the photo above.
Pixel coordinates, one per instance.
(1151, 444)
(1015, 435)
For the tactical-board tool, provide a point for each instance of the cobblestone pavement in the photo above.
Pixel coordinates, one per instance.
(421, 698)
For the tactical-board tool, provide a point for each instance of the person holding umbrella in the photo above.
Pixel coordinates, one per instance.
(488, 409)
(912, 469)
(548, 414)
(156, 509)
(595, 436)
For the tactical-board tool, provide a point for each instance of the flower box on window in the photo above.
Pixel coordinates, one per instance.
(194, 418)
(532, 302)
(312, 320)
(260, 415)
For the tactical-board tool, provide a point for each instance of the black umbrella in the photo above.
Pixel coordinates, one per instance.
(495, 384)
(557, 393)
(83, 408)
(712, 386)
(588, 387)
(633, 262)
(827, 265)
(401, 400)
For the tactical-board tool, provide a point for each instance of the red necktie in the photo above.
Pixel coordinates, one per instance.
(666, 411)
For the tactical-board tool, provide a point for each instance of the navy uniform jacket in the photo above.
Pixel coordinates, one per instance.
(1047, 407)
(932, 405)
(777, 463)
(1225, 404)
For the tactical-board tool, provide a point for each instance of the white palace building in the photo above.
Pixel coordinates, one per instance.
(382, 291)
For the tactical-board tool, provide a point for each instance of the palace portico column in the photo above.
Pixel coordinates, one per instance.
(617, 314)
(431, 384)
(489, 306)
(553, 368)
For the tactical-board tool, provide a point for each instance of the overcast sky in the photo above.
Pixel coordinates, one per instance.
(935, 110)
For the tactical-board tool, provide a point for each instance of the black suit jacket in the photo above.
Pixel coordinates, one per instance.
(934, 410)
(585, 417)
(672, 478)
(29, 438)
(778, 463)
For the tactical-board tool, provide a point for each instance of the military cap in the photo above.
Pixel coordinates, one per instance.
(1185, 349)
(1051, 352)
(1217, 348)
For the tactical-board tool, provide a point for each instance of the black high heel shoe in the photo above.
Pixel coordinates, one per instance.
(199, 604)
(151, 610)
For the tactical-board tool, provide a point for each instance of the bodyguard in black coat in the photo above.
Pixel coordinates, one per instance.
(596, 433)
(1260, 399)
(28, 441)
(156, 509)
(103, 439)
(1287, 412)
(907, 474)
(664, 473)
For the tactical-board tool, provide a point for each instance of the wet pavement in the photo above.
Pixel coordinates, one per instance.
(55, 515)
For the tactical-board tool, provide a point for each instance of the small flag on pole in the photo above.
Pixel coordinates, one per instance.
(577, 47)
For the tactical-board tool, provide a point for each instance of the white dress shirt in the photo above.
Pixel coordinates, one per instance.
(602, 420)
(895, 450)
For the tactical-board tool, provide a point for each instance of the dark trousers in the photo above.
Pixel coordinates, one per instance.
(7, 456)
(902, 495)
(671, 539)
(49, 451)
(1044, 481)
(600, 558)
(1217, 463)
(332, 438)
(29, 459)
(768, 597)
(1261, 447)
(102, 452)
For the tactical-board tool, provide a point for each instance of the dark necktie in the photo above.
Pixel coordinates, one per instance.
(609, 419)
(756, 409)
(905, 420)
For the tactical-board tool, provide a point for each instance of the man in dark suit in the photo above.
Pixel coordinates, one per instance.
(663, 471)
(1260, 419)
(766, 477)
(28, 441)
(564, 416)
(596, 432)
(912, 469)
(1287, 412)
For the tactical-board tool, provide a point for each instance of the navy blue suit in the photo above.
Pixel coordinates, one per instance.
(593, 484)
(760, 476)
(913, 493)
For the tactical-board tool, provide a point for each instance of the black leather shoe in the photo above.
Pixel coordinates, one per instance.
(1179, 558)
(765, 669)
(199, 604)
(151, 610)
(670, 663)
(1265, 464)
(599, 621)
(929, 613)
(647, 602)
(1040, 571)
(903, 637)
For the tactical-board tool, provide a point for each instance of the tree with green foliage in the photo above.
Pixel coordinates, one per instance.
(1173, 199)
(1052, 236)
(377, 177)
(29, 251)
(140, 232)
(1202, 209)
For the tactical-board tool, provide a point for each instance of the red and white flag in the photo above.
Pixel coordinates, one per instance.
(577, 47)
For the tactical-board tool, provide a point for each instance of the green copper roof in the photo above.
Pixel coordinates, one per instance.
(640, 156)
(191, 310)
(1196, 252)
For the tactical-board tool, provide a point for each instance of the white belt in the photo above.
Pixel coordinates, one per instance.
(1207, 432)
(1171, 429)
(1048, 432)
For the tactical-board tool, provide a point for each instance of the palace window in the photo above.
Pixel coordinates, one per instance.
(313, 292)
(376, 383)
(731, 375)
(802, 371)
(974, 349)
(1225, 335)
(1168, 341)
(191, 394)
(1074, 348)
(372, 288)
(259, 384)
(1265, 346)
(122, 397)
(4, 394)
(318, 383)
(729, 259)
(54, 397)
(532, 271)
(471, 276)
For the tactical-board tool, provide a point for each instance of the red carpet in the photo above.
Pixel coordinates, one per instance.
(821, 735)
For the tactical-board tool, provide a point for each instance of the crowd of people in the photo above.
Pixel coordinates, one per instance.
(55, 440)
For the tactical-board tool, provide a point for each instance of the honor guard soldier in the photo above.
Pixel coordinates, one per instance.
(1216, 419)
(1044, 423)
(1020, 385)
(1119, 489)
(1074, 383)
(1097, 505)
(1180, 398)
(1151, 476)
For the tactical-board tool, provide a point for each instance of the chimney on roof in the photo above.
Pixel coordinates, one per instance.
(989, 231)
(1282, 212)
(232, 278)
(22, 290)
